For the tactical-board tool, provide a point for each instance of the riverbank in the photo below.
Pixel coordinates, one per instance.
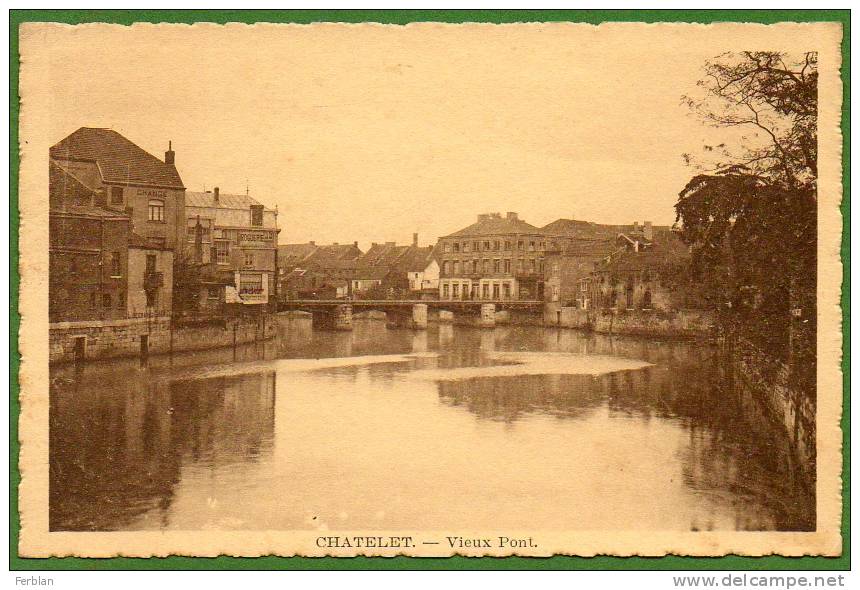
(132, 337)
(682, 323)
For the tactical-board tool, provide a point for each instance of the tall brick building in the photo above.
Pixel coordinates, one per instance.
(127, 179)
(113, 228)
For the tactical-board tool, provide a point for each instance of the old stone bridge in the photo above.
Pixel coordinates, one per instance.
(336, 314)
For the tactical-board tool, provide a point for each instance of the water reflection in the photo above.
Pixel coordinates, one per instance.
(364, 446)
(120, 442)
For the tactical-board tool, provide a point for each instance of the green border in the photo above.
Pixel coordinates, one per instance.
(16, 17)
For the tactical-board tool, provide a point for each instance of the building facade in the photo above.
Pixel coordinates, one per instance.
(99, 269)
(316, 271)
(236, 237)
(496, 258)
(640, 274)
(128, 180)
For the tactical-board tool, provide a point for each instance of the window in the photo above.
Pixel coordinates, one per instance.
(150, 263)
(532, 264)
(456, 267)
(520, 245)
(506, 289)
(455, 290)
(486, 265)
(486, 245)
(496, 265)
(156, 210)
(507, 245)
(222, 251)
(120, 299)
(257, 215)
(116, 195)
(213, 292)
(475, 267)
(496, 245)
(531, 246)
(115, 270)
(540, 265)
(446, 267)
(555, 269)
(456, 246)
(495, 291)
(249, 259)
(151, 298)
(485, 291)
(476, 246)
(106, 300)
(445, 291)
(646, 299)
(507, 266)
(446, 247)
(465, 246)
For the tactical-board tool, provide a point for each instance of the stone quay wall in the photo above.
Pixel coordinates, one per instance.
(766, 384)
(683, 323)
(152, 335)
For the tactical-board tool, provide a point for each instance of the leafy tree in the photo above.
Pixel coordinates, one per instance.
(751, 221)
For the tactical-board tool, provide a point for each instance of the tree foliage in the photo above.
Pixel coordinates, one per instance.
(751, 224)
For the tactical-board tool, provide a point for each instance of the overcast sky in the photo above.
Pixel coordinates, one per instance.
(370, 133)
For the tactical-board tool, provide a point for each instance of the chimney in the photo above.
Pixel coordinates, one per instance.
(415, 239)
(648, 231)
(355, 243)
(217, 194)
(390, 243)
(374, 244)
(312, 243)
(512, 216)
(635, 226)
(335, 244)
(169, 155)
(483, 216)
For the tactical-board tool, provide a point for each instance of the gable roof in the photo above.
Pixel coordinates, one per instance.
(119, 160)
(494, 224)
(225, 201)
(417, 258)
(73, 210)
(385, 254)
(588, 248)
(324, 255)
(574, 228)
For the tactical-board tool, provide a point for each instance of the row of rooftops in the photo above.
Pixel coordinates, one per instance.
(388, 255)
(493, 224)
(121, 161)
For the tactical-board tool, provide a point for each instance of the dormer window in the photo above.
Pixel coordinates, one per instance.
(257, 215)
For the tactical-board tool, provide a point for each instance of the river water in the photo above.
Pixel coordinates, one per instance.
(453, 428)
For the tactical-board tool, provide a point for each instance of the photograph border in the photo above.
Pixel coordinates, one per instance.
(557, 562)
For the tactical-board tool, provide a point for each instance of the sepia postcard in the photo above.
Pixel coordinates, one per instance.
(430, 289)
